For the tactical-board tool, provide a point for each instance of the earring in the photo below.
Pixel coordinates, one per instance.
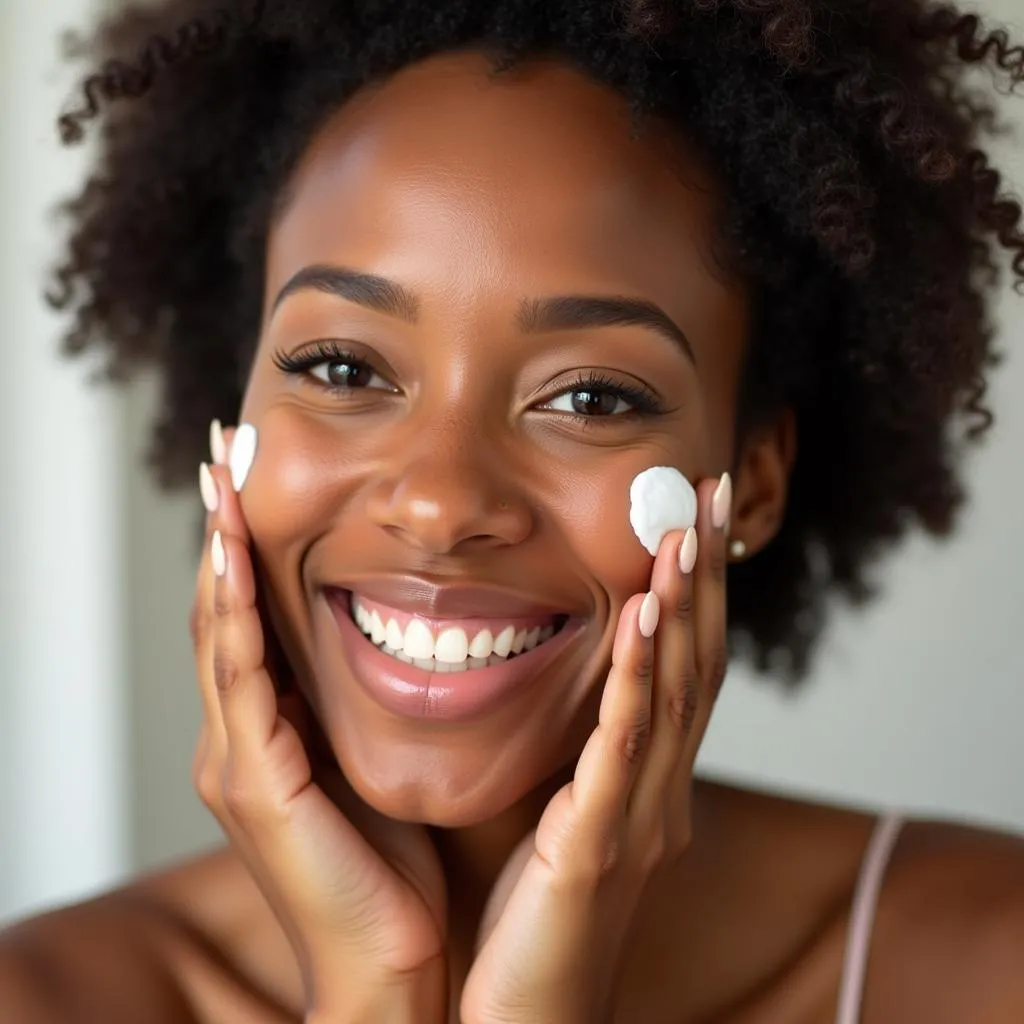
(737, 549)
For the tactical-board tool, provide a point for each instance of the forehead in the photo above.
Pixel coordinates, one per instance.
(448, 176)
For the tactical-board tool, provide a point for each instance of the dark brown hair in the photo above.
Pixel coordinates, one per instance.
(861, 209)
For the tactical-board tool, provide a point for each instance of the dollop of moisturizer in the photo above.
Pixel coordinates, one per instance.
(661, 499)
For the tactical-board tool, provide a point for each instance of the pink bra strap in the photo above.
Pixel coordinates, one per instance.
(862, 917)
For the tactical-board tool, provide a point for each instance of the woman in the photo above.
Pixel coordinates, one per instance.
(460, 272)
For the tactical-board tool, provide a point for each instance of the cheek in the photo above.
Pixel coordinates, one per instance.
(291, 491)
(594, 511)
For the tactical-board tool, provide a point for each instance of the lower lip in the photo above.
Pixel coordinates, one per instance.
(442, 696)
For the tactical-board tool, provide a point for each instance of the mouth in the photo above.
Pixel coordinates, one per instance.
(451, 645)
(443, 667)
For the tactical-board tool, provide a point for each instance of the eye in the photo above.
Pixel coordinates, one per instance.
(595, 396)
(333, 368)
(594, 401)
(347, 373)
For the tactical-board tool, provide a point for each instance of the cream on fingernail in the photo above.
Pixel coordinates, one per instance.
(650, 611)
(218, 447)
(243, 451)
(208, 488)
(721, 502)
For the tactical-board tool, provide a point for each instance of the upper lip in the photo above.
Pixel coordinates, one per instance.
(443, 601)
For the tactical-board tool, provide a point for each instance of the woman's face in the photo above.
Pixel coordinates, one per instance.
(511, 311)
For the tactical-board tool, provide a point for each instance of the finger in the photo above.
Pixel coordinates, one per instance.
(710, 614)
(201, 620)
(245, 692)
(220, 442)
(612, 756)
(676, 695)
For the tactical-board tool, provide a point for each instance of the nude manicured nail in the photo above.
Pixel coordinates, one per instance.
(243, 451)
(688, 552)
(218, 557)
(218, 448)
(650, 611)
(208, 488)
(721, 502)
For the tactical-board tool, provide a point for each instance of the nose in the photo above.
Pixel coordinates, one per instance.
(445, 502)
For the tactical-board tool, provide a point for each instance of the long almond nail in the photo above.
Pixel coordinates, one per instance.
(243, 451)
(218, 447)
(208, 488)
(218, 556)
(688, 552)
(721, 502)
(650, 612)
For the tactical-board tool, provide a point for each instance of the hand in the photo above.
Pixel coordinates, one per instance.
(360, 897)
(554, 953)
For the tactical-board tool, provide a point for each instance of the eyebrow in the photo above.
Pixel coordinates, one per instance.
(369, 290)
(570, 312)
(561, 312)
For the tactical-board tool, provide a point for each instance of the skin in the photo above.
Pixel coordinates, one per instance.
(462, 472)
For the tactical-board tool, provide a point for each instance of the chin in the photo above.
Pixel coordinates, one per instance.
(427, 793)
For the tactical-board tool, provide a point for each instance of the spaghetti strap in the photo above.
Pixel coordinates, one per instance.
(862, 917)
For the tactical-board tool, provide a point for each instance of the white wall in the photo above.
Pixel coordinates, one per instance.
(916, 703)
(63, 819)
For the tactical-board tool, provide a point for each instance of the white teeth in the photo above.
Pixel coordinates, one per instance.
(419, 642)
(394, 636)
(482, 645)
(452, 646)
(503, 641)
(452, 650)
(377, 631)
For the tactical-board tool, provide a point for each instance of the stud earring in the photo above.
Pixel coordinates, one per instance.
(737, 549)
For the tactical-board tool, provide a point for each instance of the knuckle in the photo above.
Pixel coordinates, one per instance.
(683, 703)
(718, 562)
(684, 604)
(643, 666)
(207, 785)
(654, 852)
(225, 671)
(242, 800)
(200, 625)
(221, 601)
(630, 740)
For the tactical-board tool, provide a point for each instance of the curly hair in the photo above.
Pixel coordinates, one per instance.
(860, 210)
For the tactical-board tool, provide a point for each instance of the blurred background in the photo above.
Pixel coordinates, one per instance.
(918, 702)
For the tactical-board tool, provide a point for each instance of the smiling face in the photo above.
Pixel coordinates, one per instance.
(487, 309)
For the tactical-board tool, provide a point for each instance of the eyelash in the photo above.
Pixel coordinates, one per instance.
(642, 400)
(301, 363)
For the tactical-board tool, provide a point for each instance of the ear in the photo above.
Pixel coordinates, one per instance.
(761, 483)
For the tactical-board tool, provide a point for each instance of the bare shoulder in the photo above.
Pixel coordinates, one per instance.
(194, 942)
(949, 938)
(227, 948)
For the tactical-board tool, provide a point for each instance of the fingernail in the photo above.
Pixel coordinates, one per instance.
(688, 552)
(217, 554)
(650, 611)
(218, 449)
(721, 502)
(243, 451)
(208, 488)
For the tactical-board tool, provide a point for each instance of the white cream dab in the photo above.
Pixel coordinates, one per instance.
(661, 499)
